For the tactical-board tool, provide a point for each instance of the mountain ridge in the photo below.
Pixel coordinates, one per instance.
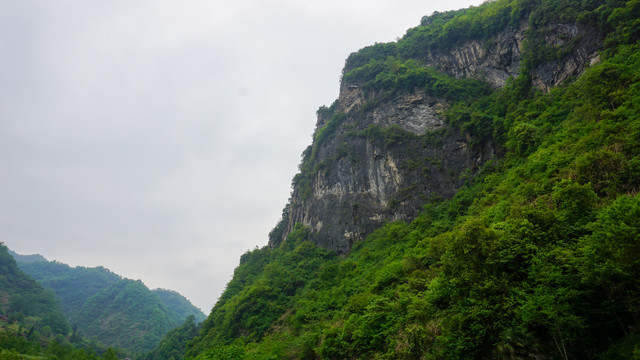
(97, 302)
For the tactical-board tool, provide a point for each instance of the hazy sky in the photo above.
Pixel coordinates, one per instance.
(159, 138)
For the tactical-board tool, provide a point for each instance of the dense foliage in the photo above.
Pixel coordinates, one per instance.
(31, 324)
(22, 297)
(179, 305)
(126, 315)
(537, 256)
(72, 286)
(104, 307)
(174, 345)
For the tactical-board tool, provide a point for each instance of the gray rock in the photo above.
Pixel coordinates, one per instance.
(360, 181)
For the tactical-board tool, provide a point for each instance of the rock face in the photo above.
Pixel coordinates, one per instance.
(371, 164)
(582, 41)
(378, 166)
(497, 60)
(494, 62)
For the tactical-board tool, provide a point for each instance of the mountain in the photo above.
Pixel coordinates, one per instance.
(125, 315)
(174, 345)
(383, 149)
(177, 303)
(73, 286)
(26, 302)
(473, 193)
(25, 259)
(104, 307)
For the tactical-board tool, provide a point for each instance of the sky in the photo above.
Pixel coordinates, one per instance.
(159, 138)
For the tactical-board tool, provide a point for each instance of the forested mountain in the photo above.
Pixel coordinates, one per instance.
(126, 315)
(24, 301)
(31, 324)
(473, 193)
(72, 286)
(180, 305)
(24, 259)
(104, 307)
(174, 345)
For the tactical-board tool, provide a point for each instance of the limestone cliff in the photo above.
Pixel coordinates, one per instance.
(501, 57)
(380, 156)
(378, 165)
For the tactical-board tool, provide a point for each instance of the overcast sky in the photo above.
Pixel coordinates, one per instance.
(159, 138)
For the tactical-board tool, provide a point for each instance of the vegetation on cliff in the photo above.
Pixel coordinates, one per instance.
(536, 256)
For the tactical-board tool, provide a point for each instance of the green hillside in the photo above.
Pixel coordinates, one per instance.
(178, 304)
(104, 307)
(31, 324)
(24, 301)
(125, 315)
(174, 345)
(537, 256)
(72, 286)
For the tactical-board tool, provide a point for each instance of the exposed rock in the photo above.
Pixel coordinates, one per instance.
(501, 57)
(582, 41)
(382, 163)
(368, 180)
(493, 61)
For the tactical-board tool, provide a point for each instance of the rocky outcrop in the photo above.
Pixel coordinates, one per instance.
(576, 48)
(381, 157)
(573, 48)
(493, 61)
(379, 166)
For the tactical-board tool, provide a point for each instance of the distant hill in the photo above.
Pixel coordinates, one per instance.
(107, 308)
(73, 286)
(25, 302)
(177, 303)
(25, 259)
(126, 315)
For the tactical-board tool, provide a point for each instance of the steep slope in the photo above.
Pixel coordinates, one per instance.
(21, 296)
(373, 164)
(383, 148)
(178, 304)
(114, 311)
(174, 345)
(31, 323)
(72, 286)
(125, 315)
(473, 193)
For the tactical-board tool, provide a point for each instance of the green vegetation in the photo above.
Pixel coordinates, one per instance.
(126, 315)
(538, 256)
(23, 299)
(174, 345)
(25, 259)
(72, 286)
(179, 305)
(393, 74)
(31, 324)
(107, 309)
(309, 167)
